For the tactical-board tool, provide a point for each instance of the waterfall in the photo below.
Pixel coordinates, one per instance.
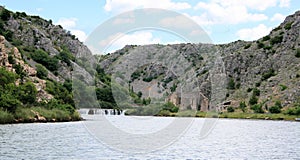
(98, 111)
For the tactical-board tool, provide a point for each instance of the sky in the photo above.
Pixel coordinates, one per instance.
(224, 21)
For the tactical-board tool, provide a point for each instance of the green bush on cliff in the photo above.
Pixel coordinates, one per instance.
(41, 71)
(43, 58)
(297, 53)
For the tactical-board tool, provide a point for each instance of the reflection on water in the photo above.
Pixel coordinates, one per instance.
(230, 139)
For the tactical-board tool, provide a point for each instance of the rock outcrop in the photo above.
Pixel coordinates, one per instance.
(270, 65)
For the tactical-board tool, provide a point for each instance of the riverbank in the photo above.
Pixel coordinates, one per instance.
(232, 115)
(38, 114)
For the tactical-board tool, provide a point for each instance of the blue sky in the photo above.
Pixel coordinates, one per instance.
(223, 20)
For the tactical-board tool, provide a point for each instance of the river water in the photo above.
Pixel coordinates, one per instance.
(228, 139)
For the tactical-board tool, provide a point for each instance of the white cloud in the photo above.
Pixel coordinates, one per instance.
(70, 24)
(125, 5)
(227, 12)
(119, 40)
(255, 33)
(177, 22)
(284, 3)
(79, 34)
(278, 17)
(67, 22)
(39, 9)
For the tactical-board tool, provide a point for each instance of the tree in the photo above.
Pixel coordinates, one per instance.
(231, 84)
(170, 107)
(9, 103)
(27, 93)
(41, 71)
(230, 109)
(243, 106)
(6, 77)
(257, 108)
(253, 100)
(274, 109)
(5, 15)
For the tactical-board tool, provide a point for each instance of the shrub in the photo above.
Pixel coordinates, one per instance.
(274, 109)
(268, 74)
(288, 26)
(283, 87)
(256, 92)
(297, 53)
(231, 84)
(268, 47)
(249, 89)
(42, 57)
(41, 71)
(265, 38)
(253, 100)
(170, 107)
(6, 117)
(257, 108)
(27, 93)
(6, 77)
(230, 109)
(260, 45)
(243, 106)
(247, 46)
(278, 104)
(293, 111)
(9, 102)
(276, 39)
(5, 15)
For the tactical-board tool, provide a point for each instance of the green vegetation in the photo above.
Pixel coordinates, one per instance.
(43, 58)
(41, 71)
(15, 98)
(297, 53)
(231, 84)
(257, 108)
(276, 40)
(247, 46)
(166, 109)
(66, 56)
(256, 92)
(268, 74)
(243, 106)
(283, 87)
(274, 109)
(265, 38)
(230, 109)
(260, 45)
(5, 14)
(293, 111)
(6, 117)
(253, 100)
(288, 26)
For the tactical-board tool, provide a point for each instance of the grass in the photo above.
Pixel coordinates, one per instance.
(26, 115)
(6, 117)
(233, 115)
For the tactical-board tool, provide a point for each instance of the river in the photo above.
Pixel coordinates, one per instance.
(227, 139)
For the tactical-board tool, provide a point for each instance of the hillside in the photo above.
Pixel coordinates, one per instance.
(258, 76)
(37, 58)
(46, 72)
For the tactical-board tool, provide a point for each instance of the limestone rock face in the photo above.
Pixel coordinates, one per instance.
(269, 64)
(28, 70)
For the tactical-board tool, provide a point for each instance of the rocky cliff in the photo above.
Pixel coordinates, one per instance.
(206, 76)
(34, 43)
